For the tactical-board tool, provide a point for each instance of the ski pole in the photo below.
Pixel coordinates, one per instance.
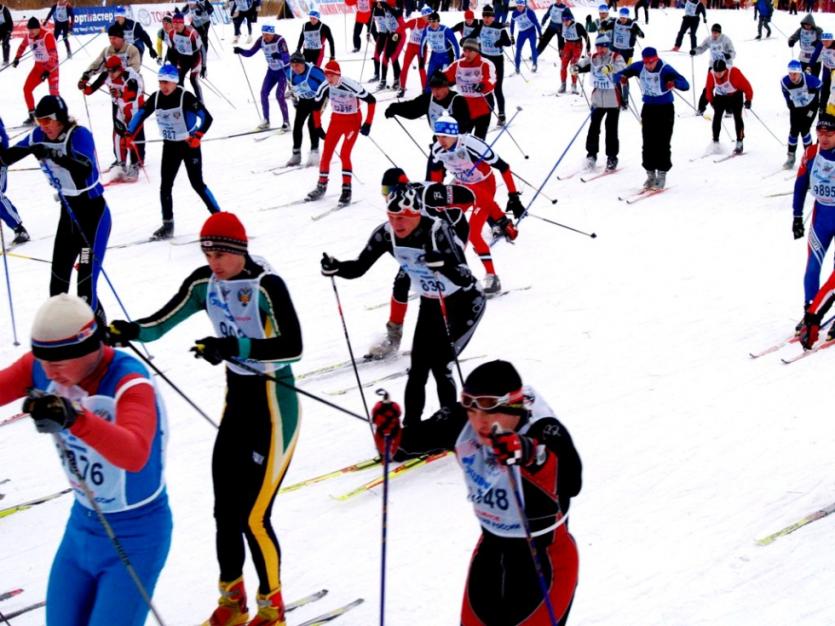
(445, 317)
(414, 141)
(92, 39)
(553, 169)
(509, 134)
(218, 92)
(3, 617)
(179, 391)
(683, 99)
(90, 124)
(248, 84)
(493, 143)
(385, 513)
(298, 390)
(364, 55)
(555, 223)
(693, 78)
(108, 529)
(765, 126)
(348, 341)
(8, 286)
(544, 195)
(523, 518)
(385, 154)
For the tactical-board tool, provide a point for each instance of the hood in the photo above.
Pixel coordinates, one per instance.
(808, 19)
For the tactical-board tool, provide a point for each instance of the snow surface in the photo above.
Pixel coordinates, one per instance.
(639, 339)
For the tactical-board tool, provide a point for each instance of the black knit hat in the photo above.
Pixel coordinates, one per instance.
(496, 378)
(438, 79)
(116, 31)
(33, 23)
(488, 10)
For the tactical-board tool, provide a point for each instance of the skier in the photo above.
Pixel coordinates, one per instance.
(380, 32)
(641, 4)
(64, 18)
(446, 202)
(825, 56)
(243, 10)
(475, 76)
(392, 43)
(766, 11)
(816, 174)
(725, 89)
(470, 161)
(361, 18)
(802, 92)
(182, 121)
(451, 302)
(312, 39)
(441, 43)
(492, 37)
(810, 326)
(278, 59)
(658, 79)
(6, 28)
(126, 89)
(529, 31)
(415, 26)
(809, 37)
(8, 212)
(128, 53)
(346, 123)
(102, 409)
(721, 47)
(605, 100)
(690, 21)
(201, 20)
(67, 157)
(439, 100)
(604, 24)
(574, 35)
(42, 45)
(186, 48)
(305, 80)
(509, 444)
(256, 325)
(554, 18)
(166, 26)
(625, 32)
(135, 35)
(468, 28)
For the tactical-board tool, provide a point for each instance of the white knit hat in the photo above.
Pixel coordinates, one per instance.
(64, 328)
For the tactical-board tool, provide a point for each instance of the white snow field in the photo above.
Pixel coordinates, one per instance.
(639, 339)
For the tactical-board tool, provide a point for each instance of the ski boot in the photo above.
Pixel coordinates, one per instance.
(166, 231)
(591, 160)
(373, 79)
(389, 345)
(285, 127)
(505, 228)
(295, 159)
(660, 179)
(29, 121)
(561, 89)
(344, 197)
(270, 610)
(249, 38)
(649, 183)
(400, 92)
(738, 147)
(611, 164)
(264, 125)
(131, 173)
(313, 158)
(831, 334)
(235, 39)
(21, 236)
(317, 193)
(381, 86)
(231, 606)
(789, 164)
(802, 321)
(574, 89)
(502, 120)
(533, 68)
(675, 49)
(491, 285)
(715, 147)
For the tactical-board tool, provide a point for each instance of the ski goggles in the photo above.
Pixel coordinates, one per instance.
(514, 400)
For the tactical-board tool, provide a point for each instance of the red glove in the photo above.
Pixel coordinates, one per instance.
(193, 141)
(670, 85)
(810, 330)
(512, 448)
(114, 93)
(88, 90)
(386, 418)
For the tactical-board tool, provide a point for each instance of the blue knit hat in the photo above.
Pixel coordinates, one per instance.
(446, 126)
(315, 14)
(168, 73)
(268, 29)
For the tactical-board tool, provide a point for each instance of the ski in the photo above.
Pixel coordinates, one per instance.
(138, 242)
(777, 195)
(332, 614)
(775, 172)
(348, 469)
(286, 170)
(294, 203)
(571, 175)
(28, 505)
(335, 367)
(703, 156)
(10, 594)
(504, 292)
(275, 133)
(14, 418)
(405, 466)
(730, 156)
(641, 195)
(775, 347)
(313, 597)
(25, 609)
(374, 307)
(338, 207)
(812, 517)
(821, 346)
(588, 179)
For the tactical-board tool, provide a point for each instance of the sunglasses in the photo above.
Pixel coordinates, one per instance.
(491, 403)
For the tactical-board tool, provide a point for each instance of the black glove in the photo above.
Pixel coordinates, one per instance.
(215, 349)
(692, 52)
(45, 75)
(433, 259)
(747, 104)
(51, 413)
(120, 332)
(514, 205)
(330, 266)
(797, 227)
(275, 56)
(159, 59)
(810, 330)
(237, 50)
(41, 151)
(16, 62)
(153, 53)
(203, 72)
(389, 113)
(320, 132)
(365, 129)
(480, 87)
(512, 448)
(727, 56)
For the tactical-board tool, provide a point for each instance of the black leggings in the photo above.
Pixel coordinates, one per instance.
(358, 26)
(657, 131)
(185, 66)
(304, 111)
(593, 138)
(800, 124)
(5, 38)
(498, 89)
(63, 29)
(481, 124)
(173, 154)
(732, 103)
(645, 5)
(547, 35)
(432, 349)
(691, 23)
(250, 17)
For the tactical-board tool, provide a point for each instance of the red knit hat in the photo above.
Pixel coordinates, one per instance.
(223, 232)
(469, 15)
(332, 67)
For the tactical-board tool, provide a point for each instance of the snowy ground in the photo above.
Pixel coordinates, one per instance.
(639, 339)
